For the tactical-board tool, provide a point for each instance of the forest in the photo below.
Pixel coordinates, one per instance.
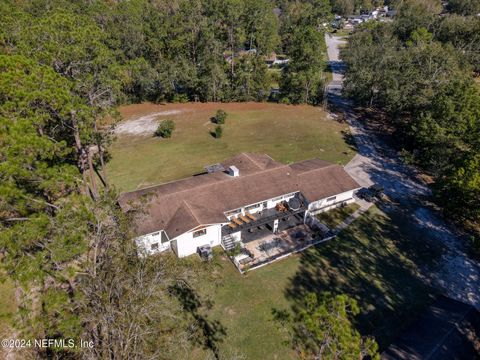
(67, 65)
(422, 71)
(129, 51)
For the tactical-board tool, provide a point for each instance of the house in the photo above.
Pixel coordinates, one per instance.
(217, 207)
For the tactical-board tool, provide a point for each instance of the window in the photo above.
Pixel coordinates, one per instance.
(289, 195)
(199, 233)
(154, 246)
(164, 238)
(155, 234)
(251, 207)
(331, 198)
(233, 212)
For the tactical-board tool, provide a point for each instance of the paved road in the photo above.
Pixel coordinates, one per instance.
(458, 276)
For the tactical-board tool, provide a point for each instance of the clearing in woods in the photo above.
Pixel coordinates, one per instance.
(287, 133)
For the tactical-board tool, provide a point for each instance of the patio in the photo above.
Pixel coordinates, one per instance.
(268, 247)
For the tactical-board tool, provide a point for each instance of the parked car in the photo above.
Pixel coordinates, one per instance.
(377, 191)
(365, 194)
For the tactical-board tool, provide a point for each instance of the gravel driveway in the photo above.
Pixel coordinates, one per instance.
(457, 276)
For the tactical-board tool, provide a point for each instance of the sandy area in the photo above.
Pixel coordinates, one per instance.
(143, 125)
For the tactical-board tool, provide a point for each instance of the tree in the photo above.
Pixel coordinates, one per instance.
(464, 34)
(464, 7)
(460, 189)
(44, 217)
(218, 132)
(343, 7)
(303, 80)
(414, 14)
(220, 117)
(165, 128)
(322, 329)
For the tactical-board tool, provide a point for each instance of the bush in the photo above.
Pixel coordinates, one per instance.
(165, 128)
(237, 250)
(220, 117)
(180, 98)
(218, 132)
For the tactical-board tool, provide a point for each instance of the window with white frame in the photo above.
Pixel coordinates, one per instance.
(199, 233)
(233, 212)
(154, 247)
(251, 207)
(331, 198)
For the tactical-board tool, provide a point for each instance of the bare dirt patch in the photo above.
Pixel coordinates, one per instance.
(143, 125)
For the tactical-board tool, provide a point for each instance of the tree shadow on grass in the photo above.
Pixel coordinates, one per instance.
(349, 140)
(211, 332)
(369, 262)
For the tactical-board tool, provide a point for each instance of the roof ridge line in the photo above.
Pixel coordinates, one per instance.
(324, 167)
(191, 212)
(252, 160)
(229, 178)
(191, 176)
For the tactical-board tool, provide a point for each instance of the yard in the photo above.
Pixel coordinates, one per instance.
(373, 261)
(285, 132)
(335, 217)
(7, 309)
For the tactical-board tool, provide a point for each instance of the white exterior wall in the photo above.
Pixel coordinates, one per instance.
(145, 242)
(323, 204)
(187, 244)
(271, 203)
(236, 236)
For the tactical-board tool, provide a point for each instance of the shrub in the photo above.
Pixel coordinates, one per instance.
(180, 98)
(218, 132)
(165, 128)
(220, 116)
(237, 250)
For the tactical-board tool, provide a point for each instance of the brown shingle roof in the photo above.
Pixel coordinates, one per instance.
(182, 205)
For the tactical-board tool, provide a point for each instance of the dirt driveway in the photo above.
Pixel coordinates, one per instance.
(457, 276)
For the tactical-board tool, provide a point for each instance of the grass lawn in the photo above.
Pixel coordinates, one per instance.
(285, 132)
(342, 32)
(335, 217)
(7, 306)
(372, 261)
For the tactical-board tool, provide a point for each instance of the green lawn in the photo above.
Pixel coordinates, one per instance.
(372, 261)
(7, 305)
(335, 217)
(286, 133)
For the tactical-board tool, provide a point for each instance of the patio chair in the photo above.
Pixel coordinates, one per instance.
(250, 216)
(244, 219)
(237, 221)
